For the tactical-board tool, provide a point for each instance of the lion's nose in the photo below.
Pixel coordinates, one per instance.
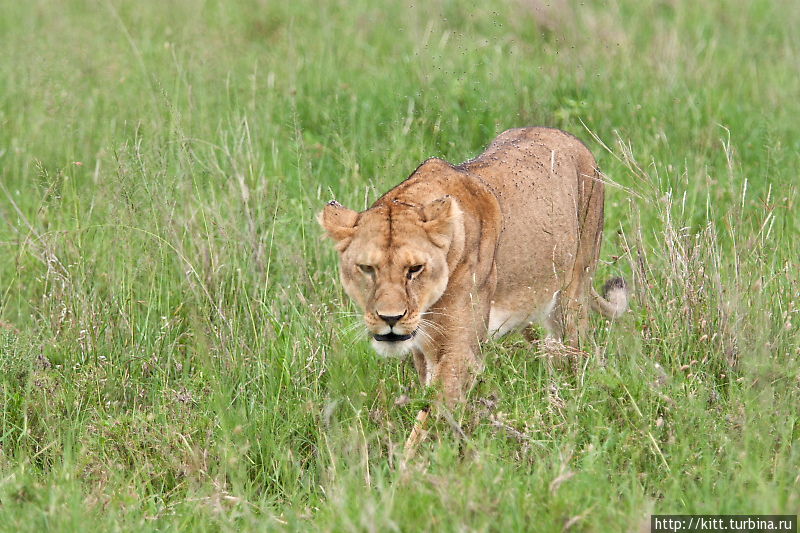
(391, 319)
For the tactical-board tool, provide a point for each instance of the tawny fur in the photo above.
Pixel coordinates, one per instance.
(507, 239)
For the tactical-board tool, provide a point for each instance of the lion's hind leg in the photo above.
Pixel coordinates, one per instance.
(569, 319)
(572, 312)
(566, 325)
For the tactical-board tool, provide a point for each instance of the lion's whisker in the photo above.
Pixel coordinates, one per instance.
(353, 325)
(437, 313)
(425, 334)
(438, 328)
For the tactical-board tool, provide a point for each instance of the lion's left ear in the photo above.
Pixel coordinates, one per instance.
(339, 222)
(442, 218)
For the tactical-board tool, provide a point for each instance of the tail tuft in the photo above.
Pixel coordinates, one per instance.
(614, 301)
(612, 284)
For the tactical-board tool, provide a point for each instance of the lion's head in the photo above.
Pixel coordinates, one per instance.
(394, 264)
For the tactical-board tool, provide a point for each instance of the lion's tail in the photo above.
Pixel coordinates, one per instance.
(614, 301)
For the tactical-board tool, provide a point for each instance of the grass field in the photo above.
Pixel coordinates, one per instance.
(176, 352)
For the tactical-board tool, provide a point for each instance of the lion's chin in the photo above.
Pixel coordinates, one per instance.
(397, 348)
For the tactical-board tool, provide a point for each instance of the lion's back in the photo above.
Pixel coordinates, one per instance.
(536, 176)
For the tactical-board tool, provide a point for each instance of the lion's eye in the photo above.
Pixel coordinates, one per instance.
(367, 269)
(416, 269)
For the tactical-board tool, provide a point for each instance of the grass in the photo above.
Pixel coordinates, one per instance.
(176, 352)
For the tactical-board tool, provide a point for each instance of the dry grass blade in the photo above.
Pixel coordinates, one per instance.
(418, 433)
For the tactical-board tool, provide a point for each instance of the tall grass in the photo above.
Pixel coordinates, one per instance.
(175, 349)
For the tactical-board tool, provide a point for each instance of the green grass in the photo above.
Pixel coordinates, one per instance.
(176, 352)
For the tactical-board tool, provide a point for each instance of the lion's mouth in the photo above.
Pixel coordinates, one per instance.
(393, 337)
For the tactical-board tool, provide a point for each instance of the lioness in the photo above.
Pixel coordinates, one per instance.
(456, 254)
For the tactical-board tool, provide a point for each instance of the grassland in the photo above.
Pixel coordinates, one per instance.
(176, 352)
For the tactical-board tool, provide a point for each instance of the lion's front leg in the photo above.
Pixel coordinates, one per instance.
(457, 372)
(458, 324)
(421, 366)
(456, 361)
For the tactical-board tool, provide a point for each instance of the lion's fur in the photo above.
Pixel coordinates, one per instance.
(506, 239)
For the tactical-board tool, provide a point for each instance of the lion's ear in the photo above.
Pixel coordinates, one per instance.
(442, 217)
(339, 222)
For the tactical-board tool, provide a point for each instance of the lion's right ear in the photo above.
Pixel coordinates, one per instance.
(339, 222)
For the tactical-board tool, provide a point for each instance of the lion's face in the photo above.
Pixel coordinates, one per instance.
(394, 265)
